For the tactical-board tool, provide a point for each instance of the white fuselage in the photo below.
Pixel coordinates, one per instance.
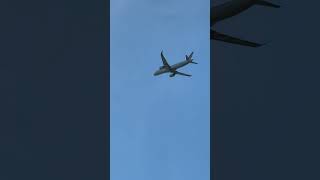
(164, 69)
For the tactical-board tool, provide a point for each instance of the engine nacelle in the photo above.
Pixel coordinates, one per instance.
(171, 75)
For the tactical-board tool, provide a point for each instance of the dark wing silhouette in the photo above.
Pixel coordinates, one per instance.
(266, 3)
(164, 61)
(183, 74)
(233, 40)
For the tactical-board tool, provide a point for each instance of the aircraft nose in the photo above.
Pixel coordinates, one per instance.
(156, 73)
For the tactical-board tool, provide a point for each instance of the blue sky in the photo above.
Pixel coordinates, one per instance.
(160, 126)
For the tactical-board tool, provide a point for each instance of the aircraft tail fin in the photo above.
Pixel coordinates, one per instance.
(266, 3)
(189, 59)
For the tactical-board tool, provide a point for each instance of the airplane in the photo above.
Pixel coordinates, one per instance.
(229, 9)
(166, 68)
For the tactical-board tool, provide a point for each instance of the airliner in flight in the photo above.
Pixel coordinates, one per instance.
(166, 68)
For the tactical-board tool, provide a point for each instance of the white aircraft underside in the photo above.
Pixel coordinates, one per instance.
(166, 68)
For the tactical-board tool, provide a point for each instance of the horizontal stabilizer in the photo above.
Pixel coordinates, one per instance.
(229, 39)
(266, 3)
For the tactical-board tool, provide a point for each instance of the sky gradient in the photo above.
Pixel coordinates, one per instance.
(160, 126)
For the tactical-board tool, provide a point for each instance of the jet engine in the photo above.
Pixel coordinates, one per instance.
(171, 75)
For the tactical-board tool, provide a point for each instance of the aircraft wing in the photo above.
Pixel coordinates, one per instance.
(164, 61)
(183, 74)
(266, 3)
(229, 39)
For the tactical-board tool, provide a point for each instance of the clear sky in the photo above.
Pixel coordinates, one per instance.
(160, 126)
